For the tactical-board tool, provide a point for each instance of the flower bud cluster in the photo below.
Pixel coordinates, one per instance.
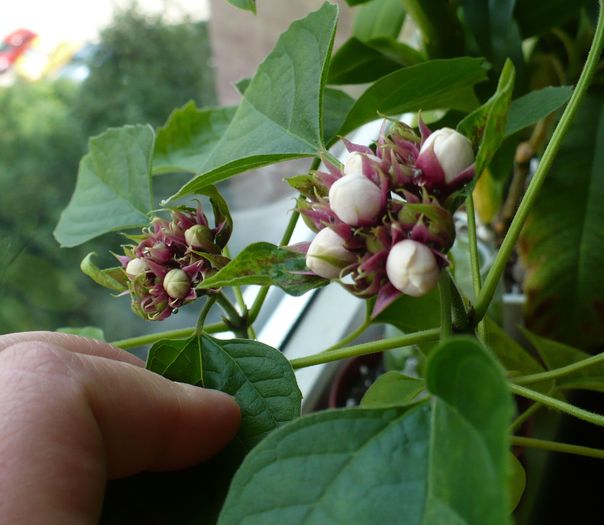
(170, 259)
(385, 216)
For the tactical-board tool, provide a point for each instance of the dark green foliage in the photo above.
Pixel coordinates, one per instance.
(139, 74)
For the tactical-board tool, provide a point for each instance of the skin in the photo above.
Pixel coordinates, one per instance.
(76, 412)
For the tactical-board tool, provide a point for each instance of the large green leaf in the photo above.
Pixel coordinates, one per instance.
(113, 190)
(263, 384)
(336, 105)
(280, 115)
(443, 461)
(557, 355)
(189, 136)
(562, 244)
(358, 62)
(485, 127)
(259, 377)
(532, 107)
(265, 264)
(379, 18)
(437, 84)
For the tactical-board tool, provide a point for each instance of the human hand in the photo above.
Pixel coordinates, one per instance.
(75, 412)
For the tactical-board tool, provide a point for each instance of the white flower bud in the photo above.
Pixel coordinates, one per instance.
(177, 284)
(136, 266)
(453, 151)
(412, 268)
(353, 167)
(198, 236)
(355, 200)
(326, 254)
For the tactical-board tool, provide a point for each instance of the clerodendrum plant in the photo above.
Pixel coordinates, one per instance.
(428, 449)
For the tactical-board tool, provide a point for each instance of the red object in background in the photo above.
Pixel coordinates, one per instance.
(13, 46)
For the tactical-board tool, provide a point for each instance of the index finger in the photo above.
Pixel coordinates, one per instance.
(72, 343)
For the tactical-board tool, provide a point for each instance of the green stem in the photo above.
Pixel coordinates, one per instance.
(473, 242)
(474, 259)
(366, 348)
(524, 416)
(287, 235)
(182, 333)
(237, 323)
(444, 287)
(210, 300)
(556, 404)
(236, 289)
(350, 337)
(558, 372)
(557, 447)
(507, 247)
(257, 304)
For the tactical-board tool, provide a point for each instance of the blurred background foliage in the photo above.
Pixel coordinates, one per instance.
(135, 76)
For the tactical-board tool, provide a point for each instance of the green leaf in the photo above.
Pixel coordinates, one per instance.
(535, 18)
(91, 332)
(392, 389)
(263, 384)
(113, 190)
(379, 18)
(280, 115)
(113, 278)
(248, 5)
(494, 29)
(562, 244)
(516, 481)
(265, 264)
(412, 314)
(337, 104)
(486, 126)
(514, 358)
(356, 2)
(358, 62)
(388, 465)
(260, 378)
(534, 106)
(557, 355)
(189, 136)
(437, 84)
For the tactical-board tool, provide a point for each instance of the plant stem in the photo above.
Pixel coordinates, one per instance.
(558, 372)
(474, 259)
(473, 242)
(236, 322)
(210, 300)
(444, 288)
(490, 284)
(366, 348)
(524, 416)
(228, 308)
(556, 404)
(557, 447)
(236, 289)
(350, 337)
(181, 333)
(287, 235)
